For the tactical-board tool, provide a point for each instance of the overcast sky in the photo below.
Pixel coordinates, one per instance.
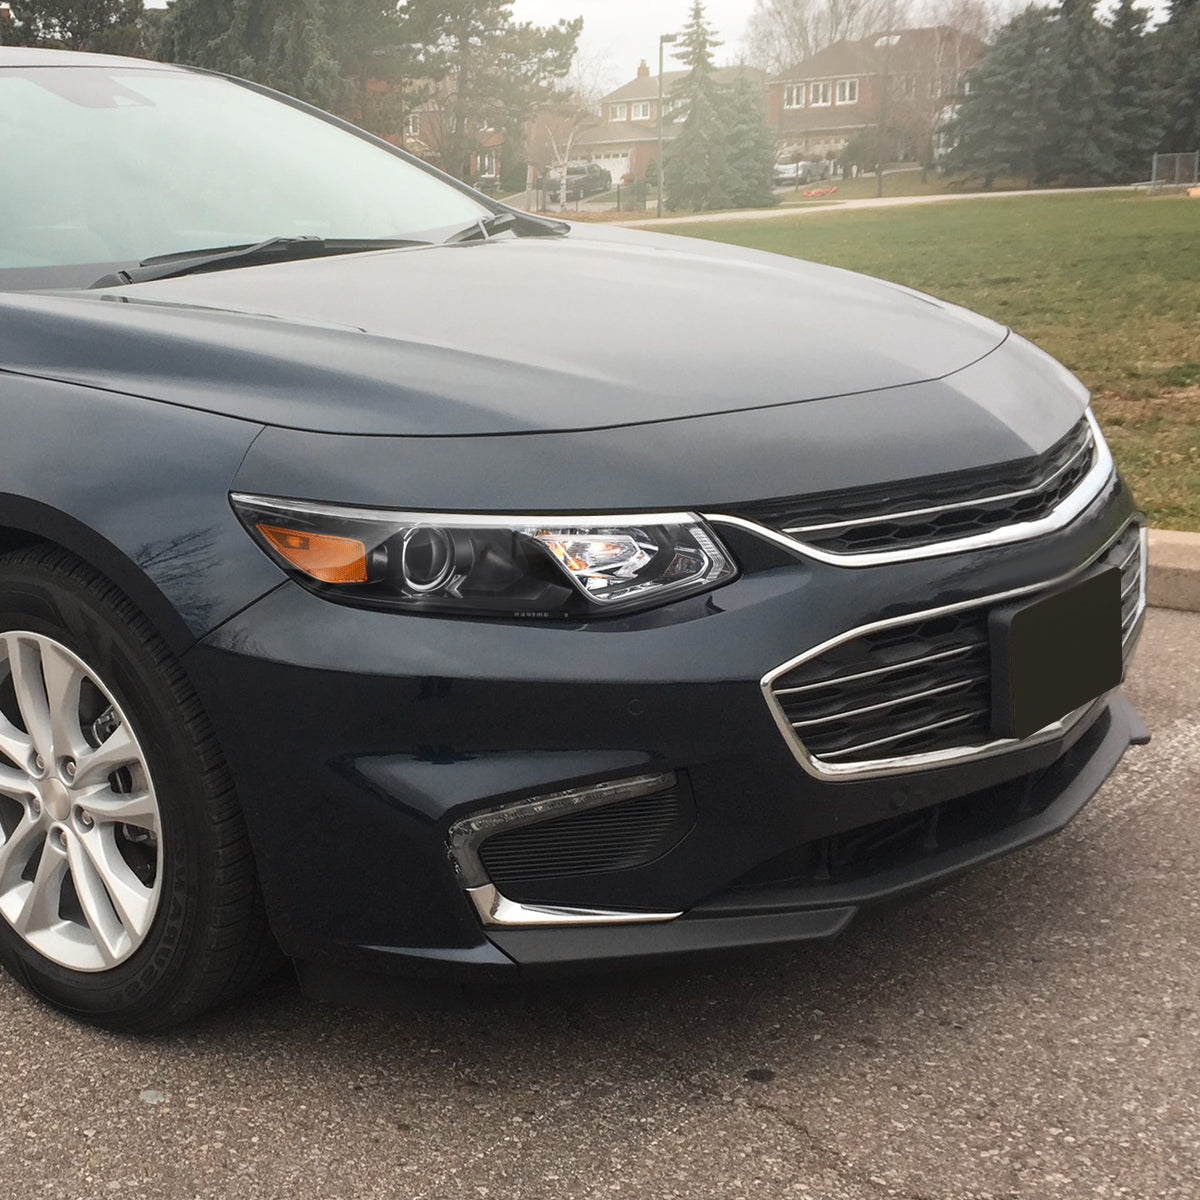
(618, 34)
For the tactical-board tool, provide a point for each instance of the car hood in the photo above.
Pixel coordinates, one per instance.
(533, 335)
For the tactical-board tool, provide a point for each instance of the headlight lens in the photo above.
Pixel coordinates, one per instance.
(502, 566)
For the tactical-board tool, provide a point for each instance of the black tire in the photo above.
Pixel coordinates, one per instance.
(208, 938)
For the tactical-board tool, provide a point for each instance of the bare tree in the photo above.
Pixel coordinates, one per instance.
(560, 122)
(782, 33)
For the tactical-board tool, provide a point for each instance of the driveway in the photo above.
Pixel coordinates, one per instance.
(1029, 1032)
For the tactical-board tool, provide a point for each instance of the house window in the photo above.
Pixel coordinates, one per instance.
(847, 91)
(908, 86)
(618, 112)
(412, 125)
(793, 95)
(819, 93)
(640, 111)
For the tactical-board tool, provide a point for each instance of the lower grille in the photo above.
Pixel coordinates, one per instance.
(915, 687)
(900, 842)
(615, 837)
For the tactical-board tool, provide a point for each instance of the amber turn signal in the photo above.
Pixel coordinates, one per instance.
(324, 557)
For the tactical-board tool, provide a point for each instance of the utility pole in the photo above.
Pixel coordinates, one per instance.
(662, 41)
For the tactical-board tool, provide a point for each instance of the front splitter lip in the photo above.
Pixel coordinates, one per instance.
(780, 918)
(767, 918)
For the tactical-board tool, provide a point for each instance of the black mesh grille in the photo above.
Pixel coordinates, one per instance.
(935, 509)
(843, 859)
(616, 837)
(914, 688)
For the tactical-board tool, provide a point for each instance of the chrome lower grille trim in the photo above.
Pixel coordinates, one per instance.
(946, 717)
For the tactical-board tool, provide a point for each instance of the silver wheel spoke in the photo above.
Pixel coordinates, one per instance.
(15, 785)
(63, 679)
(40, 908)
(14, 745)
(24, 663)
(117, 750)
(98, 891)
(132, 899)
(105, 806)
(16, 850)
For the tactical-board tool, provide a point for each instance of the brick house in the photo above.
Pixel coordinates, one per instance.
(624, 138)
(911, 76)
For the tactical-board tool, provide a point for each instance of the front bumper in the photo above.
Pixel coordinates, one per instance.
(359, 739)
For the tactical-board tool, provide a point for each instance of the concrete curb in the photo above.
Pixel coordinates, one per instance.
(1173, 579)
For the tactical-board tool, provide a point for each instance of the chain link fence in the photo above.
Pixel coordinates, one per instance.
(1175, 172)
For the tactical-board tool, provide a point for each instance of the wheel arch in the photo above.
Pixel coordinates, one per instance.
(25, 522)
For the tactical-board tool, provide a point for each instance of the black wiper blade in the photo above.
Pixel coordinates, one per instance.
(276, 249)
(484, 228)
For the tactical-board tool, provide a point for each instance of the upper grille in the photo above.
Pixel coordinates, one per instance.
(935, 509)
(915, 687)
(614, 837)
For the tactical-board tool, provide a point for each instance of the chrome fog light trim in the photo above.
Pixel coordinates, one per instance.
(496, 910)
(466, 836)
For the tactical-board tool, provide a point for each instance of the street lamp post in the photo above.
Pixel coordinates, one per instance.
(662, 41)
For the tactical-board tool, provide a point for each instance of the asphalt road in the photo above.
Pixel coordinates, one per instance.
(1029, 1032)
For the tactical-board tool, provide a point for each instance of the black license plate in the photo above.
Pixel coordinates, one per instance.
(1053, 655)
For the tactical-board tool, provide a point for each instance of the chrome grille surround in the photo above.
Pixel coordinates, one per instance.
(1069, 507)
(1127, 550)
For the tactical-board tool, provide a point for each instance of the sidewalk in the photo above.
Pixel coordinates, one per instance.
(1173, 580)
(825, 206)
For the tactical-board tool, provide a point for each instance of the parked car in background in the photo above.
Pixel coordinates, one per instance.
(796, 172)
(365, 601)
(583, 179)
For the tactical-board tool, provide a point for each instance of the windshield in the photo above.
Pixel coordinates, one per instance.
(116, 165)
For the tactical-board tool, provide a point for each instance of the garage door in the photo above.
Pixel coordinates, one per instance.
(616, 164)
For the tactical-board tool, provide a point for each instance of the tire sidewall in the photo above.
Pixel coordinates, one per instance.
(53, 603)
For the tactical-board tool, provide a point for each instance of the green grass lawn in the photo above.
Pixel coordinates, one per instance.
(1109, 283)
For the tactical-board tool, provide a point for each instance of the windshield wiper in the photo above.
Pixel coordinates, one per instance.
(484, 228)
(521, 223)
(276, 249)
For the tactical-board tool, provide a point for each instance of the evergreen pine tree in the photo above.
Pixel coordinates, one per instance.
(1136, 120)
(751, 144)
(1009, 119)
(1085, 146)
(282, 43)
(1178, 63)
(103, 26)
(698, 172)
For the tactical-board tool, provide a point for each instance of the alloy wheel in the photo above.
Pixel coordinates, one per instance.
(80, 829)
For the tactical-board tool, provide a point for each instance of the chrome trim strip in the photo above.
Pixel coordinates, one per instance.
(912, 662)
(465, 836)
(392, 516)
(1089, 488)
(942, 689)
(496, 910)
(1090, 444)
(898, 737)
(908, 763)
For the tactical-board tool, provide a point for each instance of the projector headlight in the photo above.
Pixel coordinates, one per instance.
(499, 566)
